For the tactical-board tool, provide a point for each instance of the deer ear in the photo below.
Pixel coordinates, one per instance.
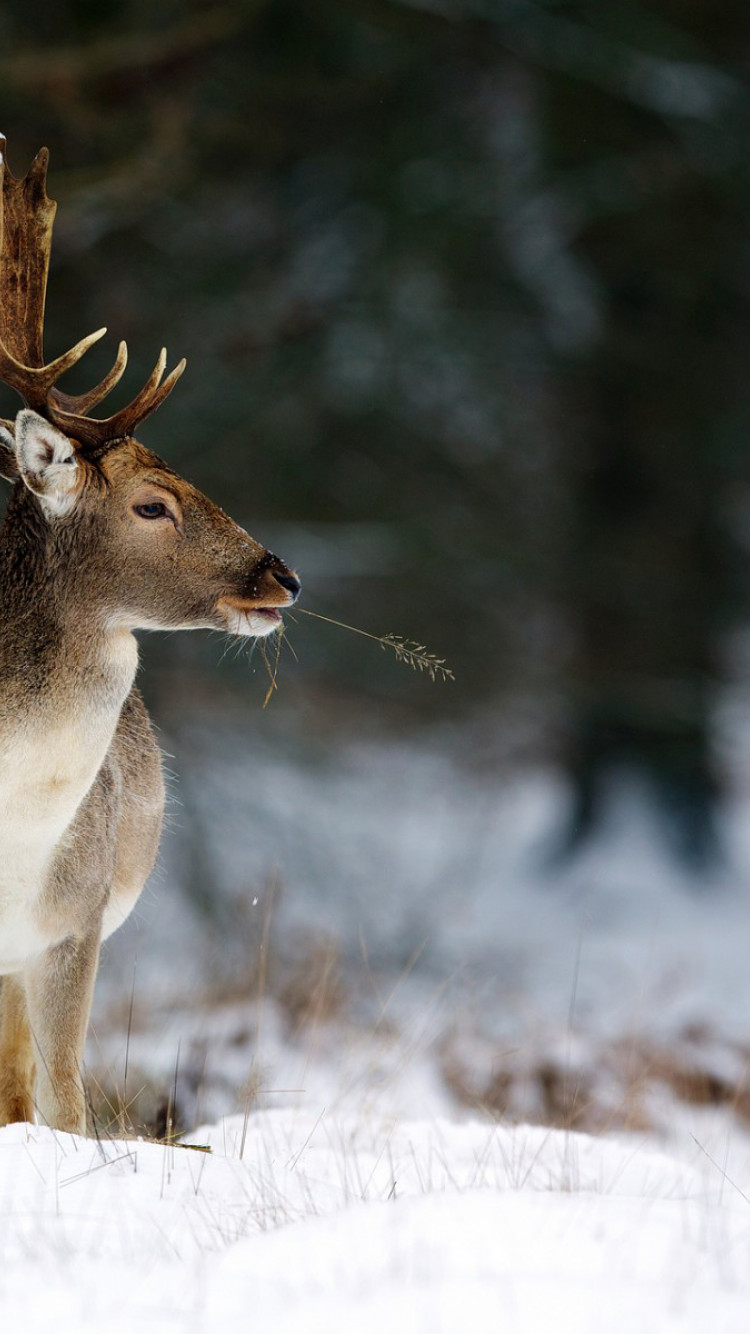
(47, 463)
(8, 461)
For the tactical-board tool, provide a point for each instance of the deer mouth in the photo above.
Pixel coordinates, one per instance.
(244, 618)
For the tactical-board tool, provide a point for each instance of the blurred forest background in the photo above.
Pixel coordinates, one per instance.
(464, 289)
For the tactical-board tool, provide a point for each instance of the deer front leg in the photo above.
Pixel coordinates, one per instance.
(59, 988)
(16, 1054)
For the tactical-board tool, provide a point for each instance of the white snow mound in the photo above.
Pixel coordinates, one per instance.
(298, 1222)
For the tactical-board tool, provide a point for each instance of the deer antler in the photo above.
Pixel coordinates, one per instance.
(26, 220)
(92, 432)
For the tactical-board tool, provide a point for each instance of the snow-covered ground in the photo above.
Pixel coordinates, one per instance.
(392, 1011)
(412, 893)
(298, 1222)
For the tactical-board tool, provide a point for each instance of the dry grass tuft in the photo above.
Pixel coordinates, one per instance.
(310, 989)
(147, 1109)
(611, 1085)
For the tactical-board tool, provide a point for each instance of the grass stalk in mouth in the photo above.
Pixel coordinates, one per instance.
(407, 651)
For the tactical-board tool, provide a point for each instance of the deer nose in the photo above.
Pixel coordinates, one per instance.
(290, 582)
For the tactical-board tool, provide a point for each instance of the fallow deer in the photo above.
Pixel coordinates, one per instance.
(100, 538)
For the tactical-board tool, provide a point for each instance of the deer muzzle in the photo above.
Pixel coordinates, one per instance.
(257, 612)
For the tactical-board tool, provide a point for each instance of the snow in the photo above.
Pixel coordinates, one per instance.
(364, 1188)
(406, 848)
(304, 1222)
(430, 884)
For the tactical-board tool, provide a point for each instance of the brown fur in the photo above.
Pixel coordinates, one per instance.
(17, 1069)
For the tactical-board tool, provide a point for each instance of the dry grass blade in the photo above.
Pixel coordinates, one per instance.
(407, 651)
(273, 671)
(417, 657)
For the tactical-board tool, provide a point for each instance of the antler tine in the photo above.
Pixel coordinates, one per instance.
(81, 403)
(92, 432)
(163, 391)
(34, 383)
(60, 365)
(122, 422)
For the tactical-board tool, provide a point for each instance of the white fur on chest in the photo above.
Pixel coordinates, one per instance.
(47, 767)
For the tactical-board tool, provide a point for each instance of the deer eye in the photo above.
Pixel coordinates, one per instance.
(156, 510)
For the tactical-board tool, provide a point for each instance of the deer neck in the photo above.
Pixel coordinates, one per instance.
(60, 656)
(63, 681)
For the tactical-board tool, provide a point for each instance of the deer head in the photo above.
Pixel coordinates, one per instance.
(136, 543)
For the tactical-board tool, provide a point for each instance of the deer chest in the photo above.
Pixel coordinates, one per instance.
(44, 778)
